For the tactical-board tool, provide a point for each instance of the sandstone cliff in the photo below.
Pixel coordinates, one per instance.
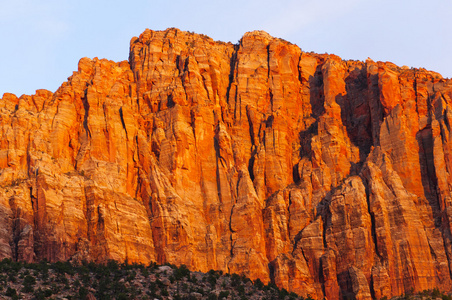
(328, 177)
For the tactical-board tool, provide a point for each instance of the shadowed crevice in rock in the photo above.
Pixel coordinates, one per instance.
(122, 120)
(372, 218)
(85, 117)
(428, 172)
(305, 139)
(232, 69)
(373, 96)
(355, 112)
(317, 98)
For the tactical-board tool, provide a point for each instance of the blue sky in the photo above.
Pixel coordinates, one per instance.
(43, 40)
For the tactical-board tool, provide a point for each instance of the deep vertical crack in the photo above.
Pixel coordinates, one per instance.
(232, 66)
(85, 118)
(372, 219)
(121, 114)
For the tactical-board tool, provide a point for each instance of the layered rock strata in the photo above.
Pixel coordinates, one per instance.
(327, 177)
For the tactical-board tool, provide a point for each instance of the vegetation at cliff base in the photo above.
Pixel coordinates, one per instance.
(63, 280)
(423, 295)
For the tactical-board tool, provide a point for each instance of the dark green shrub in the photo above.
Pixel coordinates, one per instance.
(212, 279)
(152, 286)
(10, 292)
(44, 274)
(92, 267)
(48, 293)
(436, 293)
(120, 288)
(177, 297)
(16, 266)
(131, 275)
(63, 268)
(245, 279)
(82, 292)
(259, 284)
(55, 289)
(4, 264)
(122, 296)
(283, 293)
(181, 272)
(184, 286)
(193, 279)
(41, 266)
(61, 279)
(212, 296)
(152, 294)
(152, 266)
(223, 294)
(112, 265)
(160, 284)
(39, 294)
(86, 279)
(235, 280)
(103, 288)
(271, 286)
(241, 290)
(28, 283)
(83, 268)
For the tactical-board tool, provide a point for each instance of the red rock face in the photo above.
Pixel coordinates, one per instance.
(327, 177)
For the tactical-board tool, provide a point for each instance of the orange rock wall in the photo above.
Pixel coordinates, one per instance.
(328, 177)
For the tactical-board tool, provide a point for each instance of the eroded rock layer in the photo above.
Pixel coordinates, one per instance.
(328, 177)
